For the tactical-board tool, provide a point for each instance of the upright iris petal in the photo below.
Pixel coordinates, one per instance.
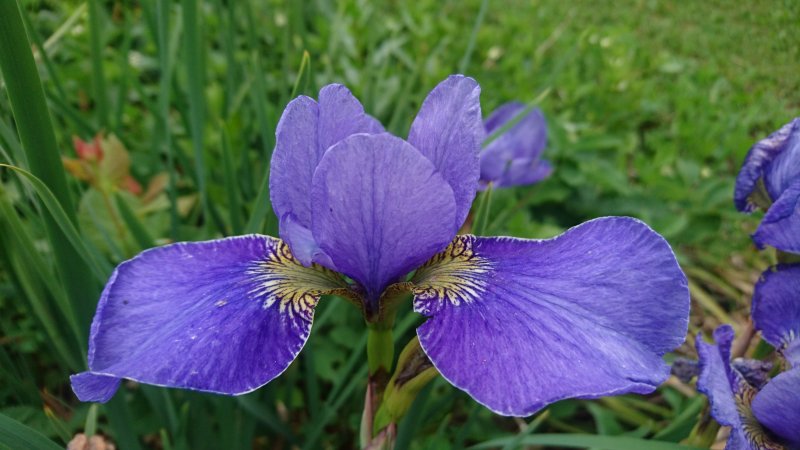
(305, 132)
(223, 316)
(776, 310)
(381, 210)
(513, 158)
(773, 162)
(520, 323)
(729, 394)
(449, 132)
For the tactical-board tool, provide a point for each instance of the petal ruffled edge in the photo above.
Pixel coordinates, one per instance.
(463, 288)
(224, 316)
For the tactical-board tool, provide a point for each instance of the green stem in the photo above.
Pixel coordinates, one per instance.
(380, 356)
(380, 349)
(39, 142)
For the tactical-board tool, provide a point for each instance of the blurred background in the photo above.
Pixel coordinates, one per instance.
(651, 107)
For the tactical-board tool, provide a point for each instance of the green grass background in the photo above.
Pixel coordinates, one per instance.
(651, 105)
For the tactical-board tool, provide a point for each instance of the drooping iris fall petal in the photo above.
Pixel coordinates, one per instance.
(381, 210)
(223, 316)
(519, 324)
(776, 310)
(307, 129)
(448, 131)
(777, 406)
(780, 227)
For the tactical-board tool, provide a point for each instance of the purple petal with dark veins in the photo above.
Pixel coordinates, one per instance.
(776, 310)
(448, 130)
(780, 227)
(519, 324)
(223, 316)
(775, 160)
(381, 209)
(777, 406)
(306, 130)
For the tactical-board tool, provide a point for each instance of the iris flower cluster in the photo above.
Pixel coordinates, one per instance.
(764, 414)
(515, 323)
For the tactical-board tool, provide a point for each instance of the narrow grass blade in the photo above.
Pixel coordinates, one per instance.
(195, 75)
(229, 174)
(165, 58)
(133, 224)
(305, 63)
(99, 268)
(462, 66)
(121, 420)
(261, 208)
(98, 74)
(38, 140)
(16, 435)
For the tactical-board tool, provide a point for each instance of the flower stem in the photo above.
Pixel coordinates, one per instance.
(380, 349)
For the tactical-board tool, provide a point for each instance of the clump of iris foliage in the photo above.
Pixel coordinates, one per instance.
(650, 108)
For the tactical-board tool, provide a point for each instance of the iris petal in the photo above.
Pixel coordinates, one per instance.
(382, 209)
(519, 323)
(502, 115)
(520, 172)
(777, 406)
(729, 393)
(776, 310)
(306, 130)
(512, 158)
(448, 130)
(223, 316)
(717, 379)
(780, 227)
(775, 160)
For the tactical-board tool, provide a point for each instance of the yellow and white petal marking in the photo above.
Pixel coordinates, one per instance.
(456, 275)
(280, 279)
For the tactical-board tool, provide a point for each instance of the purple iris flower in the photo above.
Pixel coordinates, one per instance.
(770, 179)
(512, 156)
(516, 323)
(760, 419)
(776, 310)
